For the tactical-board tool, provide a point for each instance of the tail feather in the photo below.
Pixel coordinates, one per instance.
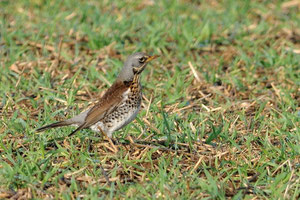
(82, 126)
(54, 125)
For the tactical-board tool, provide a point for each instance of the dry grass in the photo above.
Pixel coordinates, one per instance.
(220, 112)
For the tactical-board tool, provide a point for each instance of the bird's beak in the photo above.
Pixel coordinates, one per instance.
(151, 58)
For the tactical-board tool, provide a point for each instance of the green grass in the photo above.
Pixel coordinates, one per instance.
(228, 129)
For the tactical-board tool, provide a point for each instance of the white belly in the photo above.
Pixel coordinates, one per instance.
(126, 119)
(117, 124)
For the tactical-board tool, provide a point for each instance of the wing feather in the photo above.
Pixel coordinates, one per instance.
(107, 104)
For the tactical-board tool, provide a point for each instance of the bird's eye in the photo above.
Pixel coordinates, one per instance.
(142, 59)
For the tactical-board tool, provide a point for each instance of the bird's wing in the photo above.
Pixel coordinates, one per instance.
(108, 103)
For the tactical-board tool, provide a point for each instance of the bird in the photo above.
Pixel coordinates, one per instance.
(118, 106)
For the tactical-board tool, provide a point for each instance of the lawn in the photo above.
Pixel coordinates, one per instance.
(220, 116)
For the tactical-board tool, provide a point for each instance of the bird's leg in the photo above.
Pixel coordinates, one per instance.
(109, 140)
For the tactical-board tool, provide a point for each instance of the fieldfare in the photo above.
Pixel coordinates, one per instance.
(118, 106)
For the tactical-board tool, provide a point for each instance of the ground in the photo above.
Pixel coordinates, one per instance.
(220, 115)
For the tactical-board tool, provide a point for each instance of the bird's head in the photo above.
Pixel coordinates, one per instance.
(134, 65)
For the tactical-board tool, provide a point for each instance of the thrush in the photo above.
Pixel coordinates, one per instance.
(118, 106)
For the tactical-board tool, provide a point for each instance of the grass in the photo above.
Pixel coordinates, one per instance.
(220, 111)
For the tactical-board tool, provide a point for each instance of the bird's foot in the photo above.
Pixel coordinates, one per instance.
(115, 149)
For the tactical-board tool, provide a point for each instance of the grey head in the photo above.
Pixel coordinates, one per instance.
(134, 65)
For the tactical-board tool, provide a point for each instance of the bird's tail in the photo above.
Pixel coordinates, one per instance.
(54, 125)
